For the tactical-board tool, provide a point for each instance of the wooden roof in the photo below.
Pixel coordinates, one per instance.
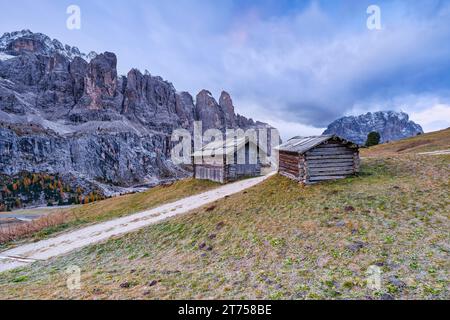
(301, 145)
(221, 147)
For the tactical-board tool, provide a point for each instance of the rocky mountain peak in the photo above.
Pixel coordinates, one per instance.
(101, 79)
(226, 104)
(63, 113)
(22, 42)
(225, 99)
(220, 115)
(205, 94)
(390, 125)
(207, 109)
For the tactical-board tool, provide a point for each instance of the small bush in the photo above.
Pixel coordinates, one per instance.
(373, 139)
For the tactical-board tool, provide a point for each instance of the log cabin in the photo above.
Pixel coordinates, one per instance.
(310, 160)
(228, 160)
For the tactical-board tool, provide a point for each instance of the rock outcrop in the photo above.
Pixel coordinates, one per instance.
(62, 111)
(25, 41)
(227, 107)
(207, 109)
(389, 124)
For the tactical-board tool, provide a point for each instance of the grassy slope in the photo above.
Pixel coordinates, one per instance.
(277, 240)
(120, 206)
(439, 140)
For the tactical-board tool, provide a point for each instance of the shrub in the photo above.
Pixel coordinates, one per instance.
(373, 139)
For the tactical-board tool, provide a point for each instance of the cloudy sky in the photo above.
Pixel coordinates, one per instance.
(296, 64)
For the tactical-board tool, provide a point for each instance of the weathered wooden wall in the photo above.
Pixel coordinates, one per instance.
(330, 161)
(327, 161)
(237, 171)
(209, 172)
(216, 168)
(289, 165)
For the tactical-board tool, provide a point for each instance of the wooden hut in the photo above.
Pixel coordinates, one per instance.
(313, 159)
(228, 160)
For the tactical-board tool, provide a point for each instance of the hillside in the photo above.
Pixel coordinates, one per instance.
(63, 220)
(279, 241)
(428, 142)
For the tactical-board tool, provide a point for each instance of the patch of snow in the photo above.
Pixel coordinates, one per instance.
(403, 116)
(56, 127)
(4, 56)
(6, 81)
(50, 46)
(8, 37)
(91, 55)
(37, 119)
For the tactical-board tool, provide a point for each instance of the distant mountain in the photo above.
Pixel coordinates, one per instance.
(389, 124)
(69, 113)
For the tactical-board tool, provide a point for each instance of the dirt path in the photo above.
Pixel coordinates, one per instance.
(436, 153)
(70, 241)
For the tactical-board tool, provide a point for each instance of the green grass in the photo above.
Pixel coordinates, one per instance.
(277, 240)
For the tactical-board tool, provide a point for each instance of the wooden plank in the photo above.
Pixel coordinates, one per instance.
(323, 178)
(296, 173)
(346, 168)
(332, 169)
(331, 143)
(322, 160)
(292, 153)
(325, 146)
(210, 166)
(331, 173)
(289, 155)
(294, 164)
(329, 157)
(330, 151)
(331, 164)
(290, 176)
(331, 148)
(289, 169)
(335, 145)
(289, 160)
(289, 164)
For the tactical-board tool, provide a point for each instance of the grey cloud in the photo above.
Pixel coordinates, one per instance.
(300, 67)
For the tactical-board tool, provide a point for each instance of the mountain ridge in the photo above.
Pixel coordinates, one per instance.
(390, 125)
(62, 113)
(13, 43)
